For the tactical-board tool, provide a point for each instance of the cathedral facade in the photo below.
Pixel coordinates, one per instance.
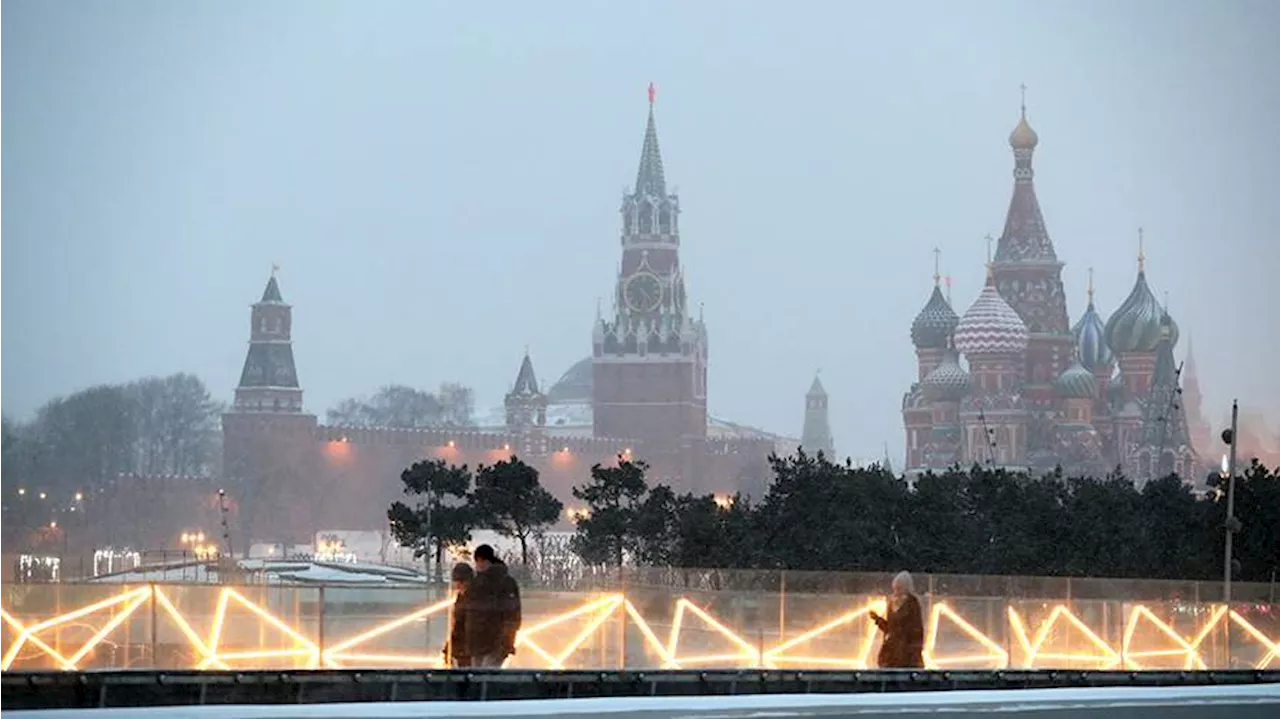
(1013, 383)
(641, 394)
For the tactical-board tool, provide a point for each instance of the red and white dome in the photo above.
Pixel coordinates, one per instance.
(991, 326)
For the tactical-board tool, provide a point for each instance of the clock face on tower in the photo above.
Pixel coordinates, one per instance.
(643, 292)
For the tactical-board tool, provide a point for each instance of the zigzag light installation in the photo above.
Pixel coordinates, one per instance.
(303, 652)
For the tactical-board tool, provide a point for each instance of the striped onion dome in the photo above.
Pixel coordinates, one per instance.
(1091, 340)
(932, 328)
(1135, 326)
(1076, 382)
(948, 382)
(991, 326)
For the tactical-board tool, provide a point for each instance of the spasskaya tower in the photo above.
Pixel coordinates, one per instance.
(649, 362)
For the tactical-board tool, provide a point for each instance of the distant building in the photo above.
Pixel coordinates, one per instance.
(641, 394)
(1037, 391)
(816, 436)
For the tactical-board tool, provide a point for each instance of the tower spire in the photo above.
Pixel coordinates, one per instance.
(1090, 291)
(650, 179)
(1023, 89)
(937, 267)
(816, 433)
(1142, 255)
(269, 379)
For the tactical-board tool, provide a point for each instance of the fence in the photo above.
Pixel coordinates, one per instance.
(647, 619)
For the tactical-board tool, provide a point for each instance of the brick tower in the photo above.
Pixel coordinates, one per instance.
(649, 361)
(527, 410)
(816, 435)
(1028, 276)
(268, 444)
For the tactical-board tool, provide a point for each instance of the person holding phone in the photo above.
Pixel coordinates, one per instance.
(903, 645)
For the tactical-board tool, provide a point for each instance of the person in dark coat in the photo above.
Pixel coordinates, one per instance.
(903, 645)
(456, 653)
(492, 612)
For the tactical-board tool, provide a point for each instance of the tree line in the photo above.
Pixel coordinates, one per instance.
(65, 462)
(822, 516)
(62, 465)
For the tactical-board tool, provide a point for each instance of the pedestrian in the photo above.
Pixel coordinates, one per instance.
(903, 645)
(493, 611)
(456, 654)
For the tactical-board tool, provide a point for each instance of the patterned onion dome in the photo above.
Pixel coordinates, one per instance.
(1091, 340)
(990, 326)
(1135, 326)
(948, 382)
(935, 323)
(1023, 137)
(1076, 382)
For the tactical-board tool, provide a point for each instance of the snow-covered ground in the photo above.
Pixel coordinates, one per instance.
(1247, 701)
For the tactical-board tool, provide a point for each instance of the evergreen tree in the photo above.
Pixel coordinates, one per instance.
(510, 500)
(614, 496)
(441, 515)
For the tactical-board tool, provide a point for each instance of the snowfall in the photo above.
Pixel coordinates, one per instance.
(1257, 700)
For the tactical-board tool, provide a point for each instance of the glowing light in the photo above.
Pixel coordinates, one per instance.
(43, 495)
(747, 654)
(1188, 651)
(79, 496)
(724, 501)
(452, 444)
(53, 524)
(1168, 645)
(1106, 657)
(780, 655)
(565, 450)
(21, 491)
(1226, 466)
(995, 654)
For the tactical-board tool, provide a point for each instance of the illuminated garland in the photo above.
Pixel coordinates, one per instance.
(1032, 647)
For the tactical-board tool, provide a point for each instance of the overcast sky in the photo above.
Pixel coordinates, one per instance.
(440, 183)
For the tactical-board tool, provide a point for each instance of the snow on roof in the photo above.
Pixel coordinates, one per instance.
(273, 571)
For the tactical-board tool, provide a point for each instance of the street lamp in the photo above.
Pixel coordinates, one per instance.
(1232, 525)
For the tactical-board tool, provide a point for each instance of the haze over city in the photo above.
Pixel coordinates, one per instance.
(440, 185)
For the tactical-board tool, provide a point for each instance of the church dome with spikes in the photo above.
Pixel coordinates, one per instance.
(935, 323)
(1076, 382)
(991, 326)
(1135, 326)
(948, 382)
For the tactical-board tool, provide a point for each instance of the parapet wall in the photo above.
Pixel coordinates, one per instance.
(176, 627)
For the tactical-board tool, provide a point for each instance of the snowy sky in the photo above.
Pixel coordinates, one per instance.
(440, 183)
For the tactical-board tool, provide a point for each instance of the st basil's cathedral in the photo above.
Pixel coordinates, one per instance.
(1039, 392)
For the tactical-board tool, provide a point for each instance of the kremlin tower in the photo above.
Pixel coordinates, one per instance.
(816, 434)
(1038, 392)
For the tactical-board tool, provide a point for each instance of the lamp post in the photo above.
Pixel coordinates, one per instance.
(1230, 437)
